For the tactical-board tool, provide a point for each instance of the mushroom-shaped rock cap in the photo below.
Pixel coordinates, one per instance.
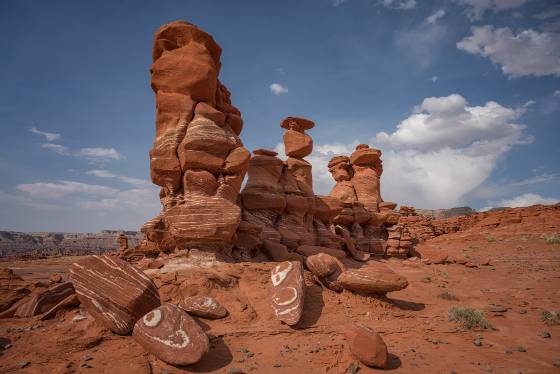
(338, 160)
(178, 34)
(297, 124)
(364, 155)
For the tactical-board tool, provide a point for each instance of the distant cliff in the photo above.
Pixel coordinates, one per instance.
(447, 213)
(41, 244)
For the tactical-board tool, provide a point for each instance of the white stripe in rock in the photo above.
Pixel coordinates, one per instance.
(282, 303)
(278, 276)
(153, 318)
(286, 311)
(185, 340)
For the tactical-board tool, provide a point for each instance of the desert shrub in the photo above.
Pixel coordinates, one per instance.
(490, 238)
(550, 318)
(470, 318)
(447, 296)
(552, 239)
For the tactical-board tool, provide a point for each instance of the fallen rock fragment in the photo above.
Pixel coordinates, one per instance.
(374, 278)
(327, 269)
(12, 289)
(45, 300)
(203, 306)
(288, 291)
(68, 302)
(113, 291)
(367, 346)
(169, 333)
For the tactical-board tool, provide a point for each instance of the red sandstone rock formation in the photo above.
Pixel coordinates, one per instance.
(203, 306)
(12, 289)
(367, 346)
(43, 301)
(288, 291)
(172, 335)
(113, 291)
(197, 157)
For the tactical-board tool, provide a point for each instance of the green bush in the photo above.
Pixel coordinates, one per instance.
(550, 318)
(470, 318)
(552, 239)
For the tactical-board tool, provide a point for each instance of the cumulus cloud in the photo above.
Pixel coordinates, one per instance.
(528, 52)
(527, 199)
(477, 8)
(435, 16)
(435, 78)
(101, 173)
(50, 136)
(278, 89)
(58, 189)
(399, 4)
(438, 155)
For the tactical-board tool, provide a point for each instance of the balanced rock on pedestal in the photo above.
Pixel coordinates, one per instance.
(113, 291)
(288, 291)
(203, 306)
(374, 278)
(169, 333)
(367, 345)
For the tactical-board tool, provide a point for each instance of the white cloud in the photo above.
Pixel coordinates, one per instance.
(477, 8)
(399, 4)
(435, 78)
(528, 52)
(137, 200)
(58, 189)
(99, 154)
(278, 89)
(435, 16)
(336, 3)
(527, 199)
(438, 155)
(57, 148)
(92, 154)
(50, 136)
(449, 122)
(101, 173)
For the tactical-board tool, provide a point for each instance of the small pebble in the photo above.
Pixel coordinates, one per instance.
(544, 334)
(23, 364)
(478, 342)
(521, 349)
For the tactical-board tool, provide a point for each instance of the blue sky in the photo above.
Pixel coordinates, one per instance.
(462, 96)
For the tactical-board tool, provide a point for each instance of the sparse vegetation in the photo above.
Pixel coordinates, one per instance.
(552, 239)
(427, 279)
(550, 318)
(470, 318)
(447, 296)
(490, 239)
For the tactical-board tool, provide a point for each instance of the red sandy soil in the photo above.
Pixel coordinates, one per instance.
(523, 276)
